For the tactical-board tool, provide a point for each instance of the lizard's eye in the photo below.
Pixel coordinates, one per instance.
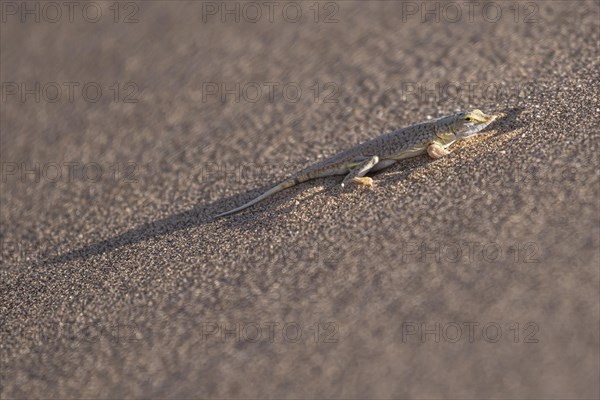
(468, 119)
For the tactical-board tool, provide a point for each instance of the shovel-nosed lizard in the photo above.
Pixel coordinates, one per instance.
(431, 137)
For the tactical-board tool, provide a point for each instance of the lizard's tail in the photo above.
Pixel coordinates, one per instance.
(283, 185)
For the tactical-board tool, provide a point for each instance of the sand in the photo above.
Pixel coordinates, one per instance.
(471, 276)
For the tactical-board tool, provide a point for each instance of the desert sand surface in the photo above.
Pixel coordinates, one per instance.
(472, 276)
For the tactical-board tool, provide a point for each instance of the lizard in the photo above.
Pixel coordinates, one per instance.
(433, 137)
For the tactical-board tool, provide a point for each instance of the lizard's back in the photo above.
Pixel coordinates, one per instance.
(384, 146)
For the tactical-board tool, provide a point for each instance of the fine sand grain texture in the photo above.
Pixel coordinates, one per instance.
(472, 276)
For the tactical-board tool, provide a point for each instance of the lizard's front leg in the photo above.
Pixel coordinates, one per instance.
(357, 174)
(435, 150)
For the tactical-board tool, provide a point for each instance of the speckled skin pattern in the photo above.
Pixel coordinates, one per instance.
(398, 145)
(387, 149)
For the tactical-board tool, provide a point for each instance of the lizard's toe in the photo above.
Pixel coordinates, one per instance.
(364, 181)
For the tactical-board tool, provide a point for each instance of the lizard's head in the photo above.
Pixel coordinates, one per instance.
(470, 123)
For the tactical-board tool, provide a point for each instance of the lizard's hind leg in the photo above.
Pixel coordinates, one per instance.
(357, 174)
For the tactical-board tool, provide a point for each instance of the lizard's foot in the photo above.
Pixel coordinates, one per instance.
(364, 181)
(436, 151)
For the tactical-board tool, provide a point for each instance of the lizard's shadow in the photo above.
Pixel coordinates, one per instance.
(196, 216)
(203, 214)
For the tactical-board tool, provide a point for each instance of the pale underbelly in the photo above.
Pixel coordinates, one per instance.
(382, 164)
